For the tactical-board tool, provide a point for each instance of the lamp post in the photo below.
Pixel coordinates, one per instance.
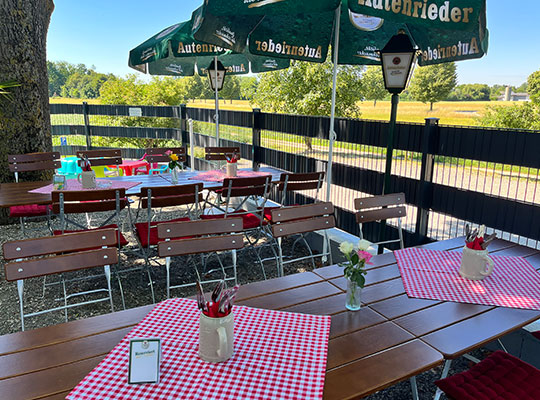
(398, 58)
(216, 76)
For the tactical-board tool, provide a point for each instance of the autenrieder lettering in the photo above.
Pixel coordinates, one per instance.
(287, 49)
(457, 50)
(422, 10)
(197, 48)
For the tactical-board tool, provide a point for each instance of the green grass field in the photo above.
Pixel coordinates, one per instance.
(449, 112)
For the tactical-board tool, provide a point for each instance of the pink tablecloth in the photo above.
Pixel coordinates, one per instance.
(277, 355)
(432, 274)
(218, 175)
(73, 184)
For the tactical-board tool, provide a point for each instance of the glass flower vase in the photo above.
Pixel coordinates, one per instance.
(353, 296)
(174, 176)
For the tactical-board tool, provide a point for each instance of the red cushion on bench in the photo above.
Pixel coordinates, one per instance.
(123, 240)
(29, 210)
(249, 221)
(141, 229)
(499, 376)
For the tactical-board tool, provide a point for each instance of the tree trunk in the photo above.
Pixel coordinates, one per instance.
(25, 122)
(375, 103)
(431, 106)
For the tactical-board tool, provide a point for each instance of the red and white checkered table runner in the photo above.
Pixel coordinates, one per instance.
(432, 274)
(218, 175)
(74, 184)
(277, 355)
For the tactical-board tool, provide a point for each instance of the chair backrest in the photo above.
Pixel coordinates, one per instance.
(300, 219)
(256, 186)
(168, 196)
(82, 201)
(210, 236)
(289, 182)
(34, 162)
(101, 157)
(157, 154)
(40, 256)
(378, 208)
(220, 153)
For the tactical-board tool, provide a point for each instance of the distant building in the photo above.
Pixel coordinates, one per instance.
(509, 95)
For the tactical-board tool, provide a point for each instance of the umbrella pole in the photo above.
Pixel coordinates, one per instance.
(216, 116)
(332, 133)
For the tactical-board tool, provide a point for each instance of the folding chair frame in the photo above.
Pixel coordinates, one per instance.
(287, 221)
(25, 266)
(376, 208)
(205, 236)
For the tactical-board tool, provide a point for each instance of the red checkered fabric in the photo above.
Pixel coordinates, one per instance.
(218, 175)
(277, 355)
(73, 184)
(432, 274)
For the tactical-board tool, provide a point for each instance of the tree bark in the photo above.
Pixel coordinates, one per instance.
(25, 123)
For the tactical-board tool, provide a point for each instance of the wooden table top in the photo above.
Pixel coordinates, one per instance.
(16, 194)
(392, 338)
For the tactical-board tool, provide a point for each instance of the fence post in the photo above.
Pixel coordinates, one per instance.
(425, 189)
(256, 139)
(183, 123)
(87, 126)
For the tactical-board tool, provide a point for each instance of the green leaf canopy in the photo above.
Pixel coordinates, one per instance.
(303, 30)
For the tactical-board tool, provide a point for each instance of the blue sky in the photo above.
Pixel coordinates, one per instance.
(101, 33)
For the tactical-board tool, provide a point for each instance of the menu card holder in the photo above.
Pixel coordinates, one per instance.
(144, 360)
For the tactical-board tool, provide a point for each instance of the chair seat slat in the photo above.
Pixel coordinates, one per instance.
(64, 263)
(200, 245)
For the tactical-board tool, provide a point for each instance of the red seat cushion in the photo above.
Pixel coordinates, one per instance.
(141, 230)
(29, 210)
(268, 213)
(499, 376)
(123, 240)
(249, 221)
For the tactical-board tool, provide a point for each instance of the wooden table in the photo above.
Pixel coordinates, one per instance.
(393, 337)
(16, 194)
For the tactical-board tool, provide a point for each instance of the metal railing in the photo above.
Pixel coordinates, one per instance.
(450, 175)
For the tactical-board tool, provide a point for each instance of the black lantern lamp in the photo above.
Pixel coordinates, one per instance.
(398, 58)
(216, 75)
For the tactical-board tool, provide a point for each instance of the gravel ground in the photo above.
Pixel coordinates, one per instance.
(137, 293)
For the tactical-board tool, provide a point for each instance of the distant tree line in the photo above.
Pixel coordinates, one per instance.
(76, 81)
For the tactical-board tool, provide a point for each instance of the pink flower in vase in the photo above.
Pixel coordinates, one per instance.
(364, 255)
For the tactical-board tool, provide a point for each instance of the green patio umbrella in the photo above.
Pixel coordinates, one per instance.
(444, 31)
(175, 52)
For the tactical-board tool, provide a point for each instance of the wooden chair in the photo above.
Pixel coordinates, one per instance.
(377, 208)
(290, 182)
(220, 153)
(300, 220)
(157, 155)
(32, 162)
(154, 200)
(199, 237)
(65, 203)
(104, 158)
(250, 195)
(57, 255)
